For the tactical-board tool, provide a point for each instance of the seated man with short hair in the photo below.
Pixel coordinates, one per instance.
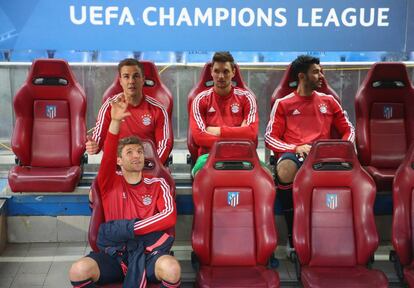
(223, 111)
(296, 121)
(148, 120)
(137, 210)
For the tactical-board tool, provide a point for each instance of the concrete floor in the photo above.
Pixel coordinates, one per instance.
(46, 265)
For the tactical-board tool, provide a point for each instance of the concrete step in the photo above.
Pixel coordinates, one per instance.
(52, 259)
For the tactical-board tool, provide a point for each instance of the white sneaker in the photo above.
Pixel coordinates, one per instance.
(289, 250)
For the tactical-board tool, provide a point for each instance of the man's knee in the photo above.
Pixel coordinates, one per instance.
(286, 171)
(90, 196)
(84, 268)
(167, 268)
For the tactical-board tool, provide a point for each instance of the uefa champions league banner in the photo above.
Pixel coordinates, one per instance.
(207, 25)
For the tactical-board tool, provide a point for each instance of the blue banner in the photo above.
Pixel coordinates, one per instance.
(207, 25)
(410, 26)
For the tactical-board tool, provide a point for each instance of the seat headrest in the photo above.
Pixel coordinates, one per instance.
(288, 84)
(150, 73)
(53, 72)
(233, 155)
(388, 84)
(332, 155)
(150, 155)
(50, 81)
(388, 75)
(149, 83)
(210, 83)
(289, 80)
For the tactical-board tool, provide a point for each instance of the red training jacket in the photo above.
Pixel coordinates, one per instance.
(150, 200)
(148, 120)
(296, 120)
(227, 112)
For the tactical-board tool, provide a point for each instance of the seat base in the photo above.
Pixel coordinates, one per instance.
(409, 275)
(236, 276)
(356, 277)
(41, 179)
(383, 177)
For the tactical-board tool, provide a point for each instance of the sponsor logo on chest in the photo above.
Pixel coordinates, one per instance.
(211, 110)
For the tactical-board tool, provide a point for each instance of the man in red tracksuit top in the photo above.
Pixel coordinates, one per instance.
(223, 111)
(128, 194)
(148, 120)
(296, 121)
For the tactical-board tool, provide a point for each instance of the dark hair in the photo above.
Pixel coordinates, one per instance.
(301, 65)
(131, 62)
(128, 141)
(223, 57)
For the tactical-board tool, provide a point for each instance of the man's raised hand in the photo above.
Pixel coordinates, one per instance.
(119, 108)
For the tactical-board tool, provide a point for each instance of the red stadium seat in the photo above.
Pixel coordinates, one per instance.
(384, 109)
(334, 231)
(49, 134)
(206, 82)
(234, 231)
(288, 84)
(153, 167)
(153, 87)
(402, 225)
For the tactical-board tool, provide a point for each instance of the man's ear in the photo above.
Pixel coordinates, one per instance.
(301, 76)
(118, 161)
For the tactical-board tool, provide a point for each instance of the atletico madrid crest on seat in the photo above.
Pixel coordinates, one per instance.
(233, 199)
(332, 201)
(387, 112)
(50, 111)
